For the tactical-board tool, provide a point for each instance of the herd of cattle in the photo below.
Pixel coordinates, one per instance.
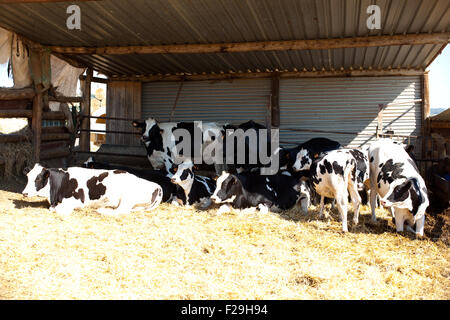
(317, 169)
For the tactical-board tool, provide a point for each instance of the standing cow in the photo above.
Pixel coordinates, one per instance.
(334, 175)
(74, 187)
(395, 178)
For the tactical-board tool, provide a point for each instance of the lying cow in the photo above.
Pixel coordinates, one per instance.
(171, 192)
(67, 189)
(334, 175)
(251, 190)
(395, 178)
(312, 149)
(197, 189)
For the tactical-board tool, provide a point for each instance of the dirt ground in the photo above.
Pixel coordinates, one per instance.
(181, 253)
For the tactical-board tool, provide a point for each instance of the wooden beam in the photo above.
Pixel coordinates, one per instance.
(316, 44)
(283, 75)
(86, 110)
(16, 94)
(95, 79)
(4, 138)
(41, 1)
(21, 113)
(440, 124)
(275, 101)
(65, 99)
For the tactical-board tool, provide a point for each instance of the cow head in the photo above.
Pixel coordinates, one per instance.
(304, 199)
(183, 174)
(304, 160)
(89, 163)
(38, 182)
(151, 136)
(407, 195)
(228, 187)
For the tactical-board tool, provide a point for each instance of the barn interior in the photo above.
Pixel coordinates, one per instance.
(346, 70)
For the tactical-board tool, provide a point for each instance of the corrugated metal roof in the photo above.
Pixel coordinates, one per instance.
(139, 22)
(443, 116)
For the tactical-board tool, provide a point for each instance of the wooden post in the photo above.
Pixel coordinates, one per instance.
(85, 143)
(380, 120)
(275, 100)
(36, 123)
(425, 115)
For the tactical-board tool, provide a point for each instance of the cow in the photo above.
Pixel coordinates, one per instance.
(75, 187)
(395, 177)
(171, 192)
(310, 150)
(275, 192)
(251, 150)
(334, 175)
(161, 143)
(163, 147)
(198, 189)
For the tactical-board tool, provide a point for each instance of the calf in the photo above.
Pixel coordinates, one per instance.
(395, 178)
(250, 190)
(171, 192)
(310, 150)
(67, 189)
(197, 189)
(334, 175)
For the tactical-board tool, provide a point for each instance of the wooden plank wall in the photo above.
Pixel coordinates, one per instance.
(124, 101)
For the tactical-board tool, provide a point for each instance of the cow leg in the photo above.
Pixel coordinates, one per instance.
(224, 209)
(356, 201)
(205, 203)
(373, 203)
(65, 208)
(420, 223)
(263, 208)
(341, 203)
(322, 205)
(399, 219)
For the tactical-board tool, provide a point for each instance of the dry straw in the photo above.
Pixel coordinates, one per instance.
(180, 253)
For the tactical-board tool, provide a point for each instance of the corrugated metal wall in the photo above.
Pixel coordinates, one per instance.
(348, 105)
(233, 101)
(331, 104)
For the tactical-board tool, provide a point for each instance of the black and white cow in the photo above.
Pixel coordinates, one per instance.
(252, 190)
(160, 142)
(162, 145)
(198, 189)
(335, 175)
(395, 178)
(310, 150)
(75, 187)
(171, 192)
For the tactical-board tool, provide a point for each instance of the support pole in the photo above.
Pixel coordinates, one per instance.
(275, 101)
(85, 136)
(36, 123)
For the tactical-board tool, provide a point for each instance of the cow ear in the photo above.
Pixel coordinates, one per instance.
(316, 155)
(409, 148)
(215, 177)
(26, 170)
(137, 124)
(46, 173)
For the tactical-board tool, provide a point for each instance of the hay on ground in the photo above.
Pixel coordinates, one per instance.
(180, 253)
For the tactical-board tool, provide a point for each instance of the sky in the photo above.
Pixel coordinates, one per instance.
(439, 77)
